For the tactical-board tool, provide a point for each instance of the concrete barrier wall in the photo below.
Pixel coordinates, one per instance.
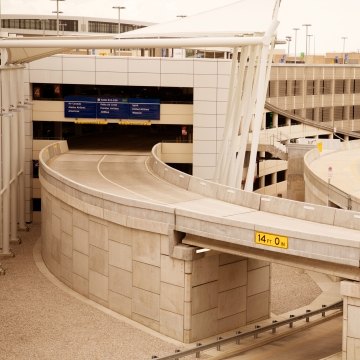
(311, 211)
(320, 191)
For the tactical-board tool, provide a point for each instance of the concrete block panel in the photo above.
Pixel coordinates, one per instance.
(66, 270)
(209, 159)
(204, 297)
(144, 65)
(146, 304)
(55, 249)
(204, 172)
(172, 325)
(81, 240)
(144, 79)
(120, 281)
(180, 66)
(204, 107)
(119, 303)
(120, 234)
(352, 349)
(205, 94)
(99, 285)
(204, 134)
(81, 285)
(232, 275)
(205, 81)
(79, 63)
(205, 66)
(232, 322)
(111, 78)
(204, 147)
(258, 281)
(118, 65)
(232, 302)
(66, 221)
(46, 76)
(98, 235)
(83, 77)
(223, 81)
(350, 289)
(225, 259)
(66, 244)
(204, 325)
(120, 255)
(175, 80)
(258, 306)
(53, 62)
(353, 327)
(172, 298)
(81, 264)
(205, 120)
(256, 264)
(172, 271)
(158, 227)
(165, 243)
(99, 260)
(146, 247)
(205, 270)
(150, 323)
(146, 277)
(224, 67)
(221, 107)
(222, 95)
(56, 225)
(80, 220)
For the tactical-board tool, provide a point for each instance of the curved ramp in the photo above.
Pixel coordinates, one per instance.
(211, 215)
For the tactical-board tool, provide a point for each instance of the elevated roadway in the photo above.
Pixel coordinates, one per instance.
(218, 217)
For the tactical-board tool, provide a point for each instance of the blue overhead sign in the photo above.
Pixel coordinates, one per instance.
(111, 108)
(80, 107)
(144, 109)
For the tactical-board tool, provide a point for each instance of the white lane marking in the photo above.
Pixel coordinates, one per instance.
(123, 187)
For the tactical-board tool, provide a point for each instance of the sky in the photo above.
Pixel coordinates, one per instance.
(330, 20)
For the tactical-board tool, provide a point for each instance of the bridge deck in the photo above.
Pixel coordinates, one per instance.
(127, 174)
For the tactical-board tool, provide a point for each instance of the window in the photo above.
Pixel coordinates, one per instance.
(35, 169)
(310, 87)
(281, 176)
(325, 87)
(36, 204)
(339, 86)
(170, 95)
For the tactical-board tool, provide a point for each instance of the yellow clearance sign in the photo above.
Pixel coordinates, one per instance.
(273, 240)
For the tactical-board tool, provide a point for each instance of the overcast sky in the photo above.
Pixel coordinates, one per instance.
(331, 19)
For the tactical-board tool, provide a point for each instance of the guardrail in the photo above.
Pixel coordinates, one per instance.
(315, 124)
(252, 333)
(280, 206)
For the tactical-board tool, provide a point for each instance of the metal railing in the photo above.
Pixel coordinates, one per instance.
(252, 333)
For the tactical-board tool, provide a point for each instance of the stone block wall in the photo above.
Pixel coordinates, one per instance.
(130, 271)
(350, 290)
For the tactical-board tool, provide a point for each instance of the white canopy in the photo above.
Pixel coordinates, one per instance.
(243, 17)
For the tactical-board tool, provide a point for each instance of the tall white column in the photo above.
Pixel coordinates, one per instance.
(14, 154)
(14, 157)
(22, 223)
(5, 145)
(5, 150)
(1, 177)
(21, 141)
